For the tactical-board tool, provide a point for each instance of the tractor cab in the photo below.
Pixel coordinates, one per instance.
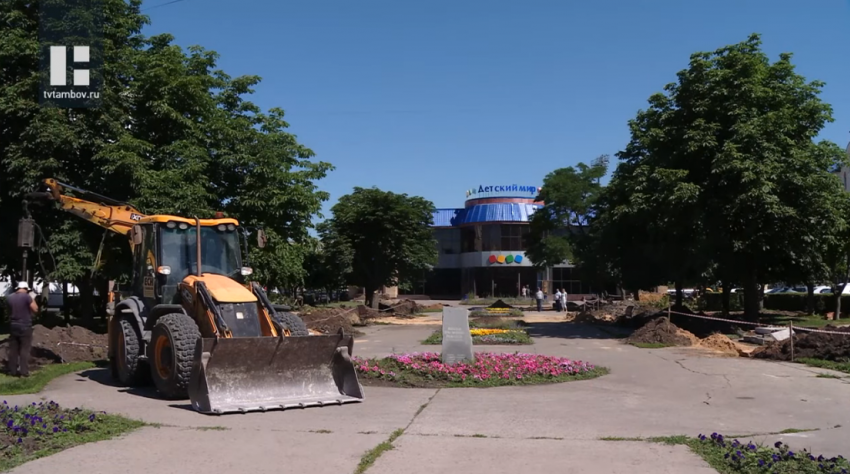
(166, 251)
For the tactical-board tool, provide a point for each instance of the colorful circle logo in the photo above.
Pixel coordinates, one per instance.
(505, 259)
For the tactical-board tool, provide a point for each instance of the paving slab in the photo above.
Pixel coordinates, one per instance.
(432, 454)
(185, 450)
(649, 392)
(382, 411)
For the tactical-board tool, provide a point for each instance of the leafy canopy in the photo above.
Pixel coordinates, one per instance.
(388, 237)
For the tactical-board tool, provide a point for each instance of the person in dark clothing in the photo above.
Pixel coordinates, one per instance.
(22, 309)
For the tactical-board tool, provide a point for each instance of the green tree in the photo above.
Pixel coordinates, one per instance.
(173, 135)
(569, 195)
(735, 134)
(329, 261)
(387, 235)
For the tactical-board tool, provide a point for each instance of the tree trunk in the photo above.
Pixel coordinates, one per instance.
(369, 294)
(86, 300)
(66, 306)
(751, 296)
(810, 298)
(725, 299)
(679, 293)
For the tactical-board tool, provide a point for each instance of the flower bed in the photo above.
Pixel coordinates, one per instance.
(736, 457)
(493, 332)
(488, 336)
(495, 312)
(489, 369)
(31, 431)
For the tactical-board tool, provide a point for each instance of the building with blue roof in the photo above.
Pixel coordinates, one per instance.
(482, 247)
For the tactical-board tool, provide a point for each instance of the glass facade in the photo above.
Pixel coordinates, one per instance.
(494, 238)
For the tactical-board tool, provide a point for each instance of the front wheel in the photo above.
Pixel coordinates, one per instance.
(172, 349)
(288, 322)
(127, 367)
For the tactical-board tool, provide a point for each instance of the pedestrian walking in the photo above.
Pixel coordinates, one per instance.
(557, 301)
(564, 298)
(539, 296)
(524, 291)
(22, 308)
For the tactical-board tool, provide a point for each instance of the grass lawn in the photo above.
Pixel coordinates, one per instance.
(38, 379)
(730, 456)
(827, 364)
(489, 301)
(34, 431)
(804, 320)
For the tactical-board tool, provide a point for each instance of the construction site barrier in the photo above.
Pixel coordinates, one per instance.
(790, 326)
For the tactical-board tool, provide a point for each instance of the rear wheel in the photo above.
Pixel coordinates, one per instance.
(288, 322)
(172, 349)
(126, 366)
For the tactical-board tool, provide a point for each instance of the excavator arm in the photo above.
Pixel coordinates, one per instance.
(119, 217)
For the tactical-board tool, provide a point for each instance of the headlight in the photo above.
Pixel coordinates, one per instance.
(183, 226)
(171, 224)
(246, 271)
(222, 227)
(164, 270)
(231, 227)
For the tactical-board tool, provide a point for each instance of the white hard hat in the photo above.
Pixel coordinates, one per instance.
(22, 285)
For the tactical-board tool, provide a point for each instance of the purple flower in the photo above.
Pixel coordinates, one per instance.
(55, 429)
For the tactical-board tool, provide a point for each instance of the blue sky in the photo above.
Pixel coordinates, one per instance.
(433, 97)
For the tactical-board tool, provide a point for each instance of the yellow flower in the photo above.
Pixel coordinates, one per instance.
(487, 332)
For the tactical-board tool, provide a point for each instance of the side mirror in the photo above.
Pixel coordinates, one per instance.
(137, 235)
(261, 238)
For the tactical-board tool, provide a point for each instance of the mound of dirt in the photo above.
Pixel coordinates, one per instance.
(662, 331)
(720, 343)
(594, 317)
(500, 304)
(814, 345)
(62, 344)
(404, 308)
(330, 320)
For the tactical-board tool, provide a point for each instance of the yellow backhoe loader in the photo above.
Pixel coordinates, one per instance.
(193, 325)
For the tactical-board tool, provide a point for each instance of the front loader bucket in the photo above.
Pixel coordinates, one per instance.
(271, 373)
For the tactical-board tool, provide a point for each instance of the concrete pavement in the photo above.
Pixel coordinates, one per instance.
(549, 428)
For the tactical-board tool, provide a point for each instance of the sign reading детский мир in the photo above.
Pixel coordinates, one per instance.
(511, 190)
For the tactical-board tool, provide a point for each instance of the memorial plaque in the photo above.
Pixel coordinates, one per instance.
(457, 342)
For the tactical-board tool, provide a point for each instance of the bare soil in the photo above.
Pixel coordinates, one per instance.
(662, 331)
(331, 320)
(721, 344)
(813, 345)
(61, 345)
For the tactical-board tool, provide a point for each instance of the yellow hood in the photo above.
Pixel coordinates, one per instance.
(223, 289)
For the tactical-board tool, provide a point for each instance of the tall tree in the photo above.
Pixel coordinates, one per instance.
(736, 132)
(569, 195)
(388, 236)
(173, 135)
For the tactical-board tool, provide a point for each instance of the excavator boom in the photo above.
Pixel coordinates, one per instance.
(108, 213)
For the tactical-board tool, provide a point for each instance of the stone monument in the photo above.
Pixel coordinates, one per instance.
(457, 342)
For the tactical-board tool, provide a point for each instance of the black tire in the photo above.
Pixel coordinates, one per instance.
(171, 351)
(127, 367)
(293, 323)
